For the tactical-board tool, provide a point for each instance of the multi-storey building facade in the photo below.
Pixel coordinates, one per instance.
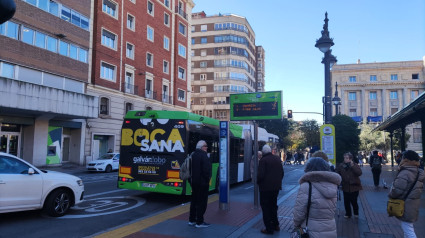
(261, 69)
(44, 68)
(375, 91)
(223, 62)
(141, 61)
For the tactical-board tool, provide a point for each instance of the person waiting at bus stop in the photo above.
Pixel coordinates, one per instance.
(269, 179)
(200, 179)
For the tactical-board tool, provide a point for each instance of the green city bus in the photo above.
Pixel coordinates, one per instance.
(155, 143)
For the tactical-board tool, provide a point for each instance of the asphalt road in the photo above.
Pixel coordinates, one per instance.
(107, 207)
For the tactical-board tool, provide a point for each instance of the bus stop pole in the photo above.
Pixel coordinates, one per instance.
(254, 180)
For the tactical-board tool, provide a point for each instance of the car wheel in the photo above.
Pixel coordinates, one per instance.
(108, 168)
(58, 203)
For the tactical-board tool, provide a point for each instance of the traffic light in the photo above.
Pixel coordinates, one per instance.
(289, 113)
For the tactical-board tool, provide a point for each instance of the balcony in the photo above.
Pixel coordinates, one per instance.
(130, 88)
(150, 94)
(181, 12)
(167, 99)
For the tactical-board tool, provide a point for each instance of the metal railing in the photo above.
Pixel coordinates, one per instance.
(167, 99)
(181, 12)
(130, 88)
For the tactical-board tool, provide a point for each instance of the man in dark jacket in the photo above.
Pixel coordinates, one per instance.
(200, 180)
(269, 179)
(375, 162)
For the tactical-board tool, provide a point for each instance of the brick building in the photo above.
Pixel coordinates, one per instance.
(140, 61)
(223, 62)
(44, 68)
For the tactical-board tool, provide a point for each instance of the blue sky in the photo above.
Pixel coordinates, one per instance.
(369, 30)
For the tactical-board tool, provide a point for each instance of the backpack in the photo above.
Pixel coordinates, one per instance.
(376, 162)
(185, 168)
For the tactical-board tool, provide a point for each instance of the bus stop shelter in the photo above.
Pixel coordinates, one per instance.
(411, 113)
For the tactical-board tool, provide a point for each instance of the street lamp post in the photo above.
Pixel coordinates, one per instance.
(336, 100)
(324, 45)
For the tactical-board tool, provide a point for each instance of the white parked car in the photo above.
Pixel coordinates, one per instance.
(106, 163)
(25, 187)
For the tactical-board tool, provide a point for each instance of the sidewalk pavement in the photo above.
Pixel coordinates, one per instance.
(242, 220)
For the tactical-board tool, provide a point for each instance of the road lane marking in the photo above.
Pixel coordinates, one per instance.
(151, 221)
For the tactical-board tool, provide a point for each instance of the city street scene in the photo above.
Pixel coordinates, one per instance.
(197, 118)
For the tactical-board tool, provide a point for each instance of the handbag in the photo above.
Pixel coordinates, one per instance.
(303, 232)
(395, 207)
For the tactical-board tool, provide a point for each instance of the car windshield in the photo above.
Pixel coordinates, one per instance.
(106, 156)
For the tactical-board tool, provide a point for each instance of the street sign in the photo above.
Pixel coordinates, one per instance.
(256, 106)
(327, 141)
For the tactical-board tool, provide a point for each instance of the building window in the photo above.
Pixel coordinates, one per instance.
(52, 44)
(203, 77)
(221, 115)
(109, 8)
(63, 48)
(203, 64)
(167, 3)
(108, 39)
(193, 28)
(40, 40)
(182, 73)
(182, 50)
(203, 89)
(204, 40)
(130, 22)
(149, 59)
(7, 70)
(166, 19)
(393, 95)
(27, 35)
(165, 94)
(417, 135)
(373, 112)
(353, 112)
(393, 110)
(104, 106)
(10, 29)
(107, 71)
(182, 28)
(352, 79)
(130, 51)
(150, 33)
(193, 41)
(394, 77)
(415, 76)
(372, 95)
(128, 107)
(414, 94)
(373, 78)
(166, 68)
(203, 27)
(166, 43)
(149, 88)
(352, 96)
(73, 51)
(150, 8)
(202, 101)
(181, 95)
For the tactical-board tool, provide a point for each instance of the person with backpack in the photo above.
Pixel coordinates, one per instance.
(199, 180)
(376, 165)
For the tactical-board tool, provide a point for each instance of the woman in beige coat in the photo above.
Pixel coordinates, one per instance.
(407, 174)
(321, 219)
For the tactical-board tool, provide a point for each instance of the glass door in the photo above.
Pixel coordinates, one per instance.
(9, 143)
